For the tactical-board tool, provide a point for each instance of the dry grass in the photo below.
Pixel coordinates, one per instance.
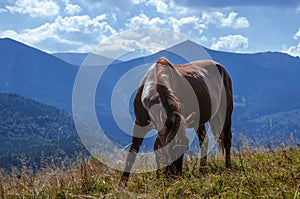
(253, 175)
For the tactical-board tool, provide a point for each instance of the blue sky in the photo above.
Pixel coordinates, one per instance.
(81, 25)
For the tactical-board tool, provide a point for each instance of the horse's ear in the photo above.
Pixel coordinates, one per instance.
(164, 61)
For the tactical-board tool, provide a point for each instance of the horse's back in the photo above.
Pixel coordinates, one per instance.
(208, 79)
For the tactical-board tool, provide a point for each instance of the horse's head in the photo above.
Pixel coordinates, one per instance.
(156, 112)
(173, 143)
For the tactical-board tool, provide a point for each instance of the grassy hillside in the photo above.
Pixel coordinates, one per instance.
(31, 128)
(253, 175)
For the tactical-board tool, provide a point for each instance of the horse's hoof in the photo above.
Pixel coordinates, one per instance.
(123, 182)
(228, 165)
(203, 169)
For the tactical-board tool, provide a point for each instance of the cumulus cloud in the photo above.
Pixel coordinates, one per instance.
(141, 21)
(35, 8)
(294, 50)
(160, 5)
(71, 9)
(2, 10)
(233, 3)
(137, 1)
(122, 6)
(192, 21)
(177, 24)
(82, 31)
(221, 20)
(83, 23)
(297, 35)
(231, 43)
(70, 30)
(146, 39)
(100, 17)
(190, 25)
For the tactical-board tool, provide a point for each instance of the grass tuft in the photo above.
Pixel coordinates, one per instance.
(261, 174)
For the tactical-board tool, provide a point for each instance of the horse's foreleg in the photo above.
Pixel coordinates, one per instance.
(163, 159)
(159, 156)
(137, 139)
(203, 142)
(175, 169)
(177, 152)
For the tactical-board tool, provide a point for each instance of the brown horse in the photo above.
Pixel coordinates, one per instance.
(172, 98)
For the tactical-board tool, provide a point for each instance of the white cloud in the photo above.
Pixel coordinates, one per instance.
(192, 21)
(142, 21)
(160, 5)
(190, 25)
(83, 24)
(2, 10)
(293, 50)
(114, 17)
(137, 1)
(35, 8)
(297, 35)
(231, 43)
(220, 20)
(10, 34)
(36, 35)
(72, 30)
(100, 17)
(71, 9)
(201, 39)
(146, 40)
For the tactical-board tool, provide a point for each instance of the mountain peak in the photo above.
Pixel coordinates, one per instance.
(6, 39)
(189, 43)
(190, 51)
(9, 41)
(10, 46)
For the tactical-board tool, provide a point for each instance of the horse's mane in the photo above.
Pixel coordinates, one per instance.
(168, 98)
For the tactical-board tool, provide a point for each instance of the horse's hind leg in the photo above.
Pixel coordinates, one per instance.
(203, 142)
(227, 136)
(222, 135)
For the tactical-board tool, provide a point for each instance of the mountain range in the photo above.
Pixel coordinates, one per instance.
(34, 74)
(266, 85)
(78, 58)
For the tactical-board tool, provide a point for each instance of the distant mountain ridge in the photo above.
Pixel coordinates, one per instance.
(34, 74)
(265, 84)
(78, 58)
(71, 58)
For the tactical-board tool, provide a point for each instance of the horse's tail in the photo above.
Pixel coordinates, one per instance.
(225, 137)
